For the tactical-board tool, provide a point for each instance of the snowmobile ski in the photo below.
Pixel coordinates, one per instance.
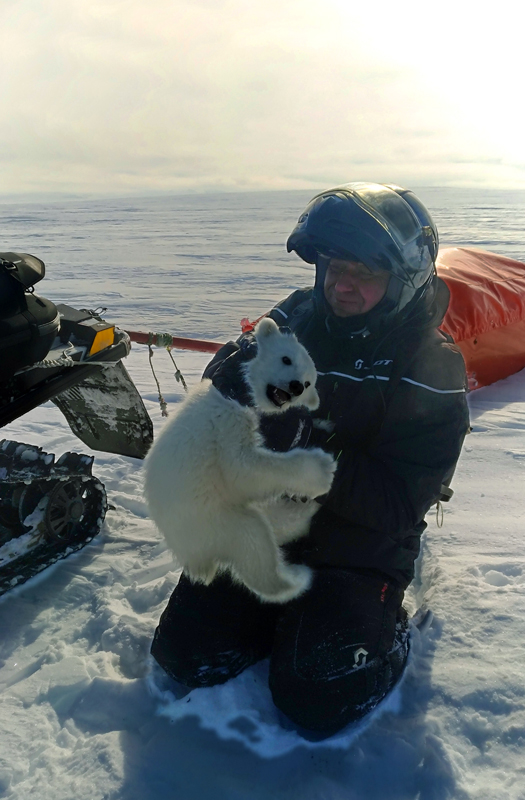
(106, 412)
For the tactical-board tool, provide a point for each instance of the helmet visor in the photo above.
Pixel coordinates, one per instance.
(383, 204)
(402, 249)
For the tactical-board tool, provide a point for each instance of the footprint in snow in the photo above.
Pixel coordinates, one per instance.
(502, 574)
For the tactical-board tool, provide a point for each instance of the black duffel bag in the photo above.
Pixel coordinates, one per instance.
(28, 323)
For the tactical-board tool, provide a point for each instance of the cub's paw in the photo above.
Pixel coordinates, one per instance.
(319, 473)
(202, 572)
(324, 425)
(295, 580)
(300, 575)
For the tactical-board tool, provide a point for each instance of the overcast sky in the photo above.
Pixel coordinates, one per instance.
(122, 96)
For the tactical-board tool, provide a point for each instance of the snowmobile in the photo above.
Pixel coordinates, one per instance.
(50, 508)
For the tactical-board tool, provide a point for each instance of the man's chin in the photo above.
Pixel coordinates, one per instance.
(346, 309)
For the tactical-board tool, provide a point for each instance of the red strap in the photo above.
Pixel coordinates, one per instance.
(247, 326)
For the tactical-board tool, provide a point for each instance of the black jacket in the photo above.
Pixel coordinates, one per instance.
(398, 402)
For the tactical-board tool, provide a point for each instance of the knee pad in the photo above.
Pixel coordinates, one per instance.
(327, 706)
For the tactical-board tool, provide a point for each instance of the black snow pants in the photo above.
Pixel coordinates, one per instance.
(334, 652)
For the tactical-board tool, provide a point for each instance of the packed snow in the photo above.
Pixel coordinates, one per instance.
(85, 716)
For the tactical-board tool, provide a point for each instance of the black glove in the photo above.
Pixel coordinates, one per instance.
(285, 430)
(228, 376)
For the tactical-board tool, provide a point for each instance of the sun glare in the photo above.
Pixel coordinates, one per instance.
(470, 65)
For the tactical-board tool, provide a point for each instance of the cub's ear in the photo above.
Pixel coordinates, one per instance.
(266, 327)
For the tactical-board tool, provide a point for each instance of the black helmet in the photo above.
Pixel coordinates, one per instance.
(381, 225)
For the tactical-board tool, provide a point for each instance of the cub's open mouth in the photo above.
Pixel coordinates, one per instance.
(277, 396)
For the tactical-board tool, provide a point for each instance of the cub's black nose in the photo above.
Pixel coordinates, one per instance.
(296, 388)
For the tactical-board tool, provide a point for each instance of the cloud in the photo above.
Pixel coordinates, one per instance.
(121, 95)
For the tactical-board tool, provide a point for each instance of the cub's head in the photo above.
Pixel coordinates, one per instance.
(282, 374)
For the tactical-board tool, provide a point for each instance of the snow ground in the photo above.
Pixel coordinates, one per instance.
(78, 715)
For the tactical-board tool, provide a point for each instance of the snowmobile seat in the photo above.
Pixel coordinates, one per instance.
(28, 323)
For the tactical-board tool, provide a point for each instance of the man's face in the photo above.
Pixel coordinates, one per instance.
(351, 288)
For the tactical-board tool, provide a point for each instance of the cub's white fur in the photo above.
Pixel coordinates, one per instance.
(214, 490)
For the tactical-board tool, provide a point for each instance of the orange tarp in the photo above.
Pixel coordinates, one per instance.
(486, 314)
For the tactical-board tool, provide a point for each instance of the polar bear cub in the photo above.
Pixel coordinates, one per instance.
(208, 476)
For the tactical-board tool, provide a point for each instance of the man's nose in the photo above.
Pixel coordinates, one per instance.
(346, 282)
